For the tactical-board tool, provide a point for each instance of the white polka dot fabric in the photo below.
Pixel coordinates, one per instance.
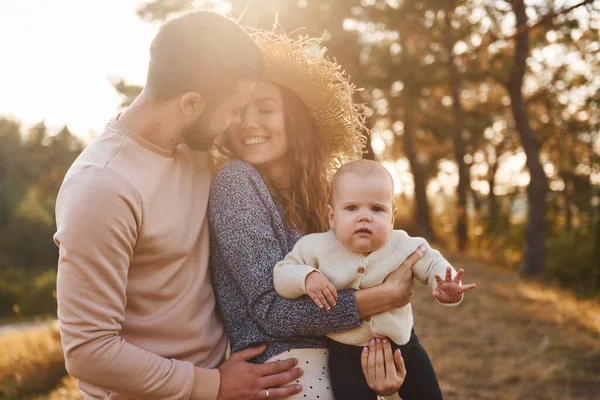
(315, 381)
(316, 384)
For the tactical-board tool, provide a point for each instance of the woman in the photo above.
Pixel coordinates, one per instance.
(300, 122)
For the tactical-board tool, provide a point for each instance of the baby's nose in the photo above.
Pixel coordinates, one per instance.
(365, 216)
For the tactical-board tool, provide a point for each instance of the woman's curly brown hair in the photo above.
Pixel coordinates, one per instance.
(305, 203)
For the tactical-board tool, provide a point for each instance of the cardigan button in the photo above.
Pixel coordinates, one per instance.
(368, 319)
(361, 270)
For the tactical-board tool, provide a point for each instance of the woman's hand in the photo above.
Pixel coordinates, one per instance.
(394, 292)
(384, 372)
(401, 280)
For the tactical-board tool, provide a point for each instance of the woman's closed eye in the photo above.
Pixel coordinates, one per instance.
(266, 110)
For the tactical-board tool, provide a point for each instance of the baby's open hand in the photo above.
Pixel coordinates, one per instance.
(320, 290)
(450, 290)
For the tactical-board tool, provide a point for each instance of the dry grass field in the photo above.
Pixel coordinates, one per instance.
(508, 340)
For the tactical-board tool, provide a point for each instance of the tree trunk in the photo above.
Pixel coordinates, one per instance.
(421, 203)
(476, 200)
(597, 243)
(368, 154)
(535, 233)
(493, 213)
(459, 152)
(3, 196)
(568, 195)
(493, 207)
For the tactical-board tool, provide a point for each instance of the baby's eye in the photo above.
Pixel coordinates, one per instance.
(377, 209)
(351, 208)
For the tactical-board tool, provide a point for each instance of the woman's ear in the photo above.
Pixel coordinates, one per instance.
(331, 216)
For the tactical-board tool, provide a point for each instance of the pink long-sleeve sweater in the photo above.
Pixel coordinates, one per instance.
(136, 306)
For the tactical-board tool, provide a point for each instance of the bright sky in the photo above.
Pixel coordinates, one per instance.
(58, 56)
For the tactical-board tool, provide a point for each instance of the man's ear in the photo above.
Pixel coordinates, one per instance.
(192, 103)
(331, 216)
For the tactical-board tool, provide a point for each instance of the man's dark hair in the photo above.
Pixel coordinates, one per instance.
(204, 52)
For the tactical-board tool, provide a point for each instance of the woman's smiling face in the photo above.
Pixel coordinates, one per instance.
(260, 139)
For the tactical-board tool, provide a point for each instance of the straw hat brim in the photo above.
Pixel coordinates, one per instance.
(301, 66)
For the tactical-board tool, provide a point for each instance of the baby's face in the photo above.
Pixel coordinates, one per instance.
(362, 213)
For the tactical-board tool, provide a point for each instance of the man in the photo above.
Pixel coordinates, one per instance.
(135, 303)
(136, 307)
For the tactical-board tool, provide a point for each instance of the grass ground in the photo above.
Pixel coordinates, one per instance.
(511, 340)
(508, 340)
(32, 362)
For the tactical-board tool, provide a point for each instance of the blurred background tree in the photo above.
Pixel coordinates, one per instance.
(496, 99)
(32, 166)
(485, 111)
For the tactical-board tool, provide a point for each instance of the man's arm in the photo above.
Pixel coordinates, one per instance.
(98, 215)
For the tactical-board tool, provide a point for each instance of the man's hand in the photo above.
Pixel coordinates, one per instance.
(241, 380)
(450, 290)
(320, 290)
(400, 281)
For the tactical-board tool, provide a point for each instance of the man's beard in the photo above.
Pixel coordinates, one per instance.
(197, 135)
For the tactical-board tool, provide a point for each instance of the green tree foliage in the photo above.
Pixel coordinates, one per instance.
(32, 167)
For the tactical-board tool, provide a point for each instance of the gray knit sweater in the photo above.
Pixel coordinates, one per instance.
(248, 237)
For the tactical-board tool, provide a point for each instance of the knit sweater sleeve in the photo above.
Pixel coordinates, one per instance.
(241, 213)
(289, 274)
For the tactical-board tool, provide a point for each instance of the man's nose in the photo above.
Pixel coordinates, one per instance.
(237, 119)
(249, 119)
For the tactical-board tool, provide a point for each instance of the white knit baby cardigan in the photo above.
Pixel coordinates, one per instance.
(349, 270)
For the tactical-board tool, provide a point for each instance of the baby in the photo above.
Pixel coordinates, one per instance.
(359, 251)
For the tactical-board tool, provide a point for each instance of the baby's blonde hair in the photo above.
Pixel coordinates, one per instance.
(362, 168)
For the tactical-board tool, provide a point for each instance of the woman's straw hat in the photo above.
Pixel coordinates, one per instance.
(301, 66)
